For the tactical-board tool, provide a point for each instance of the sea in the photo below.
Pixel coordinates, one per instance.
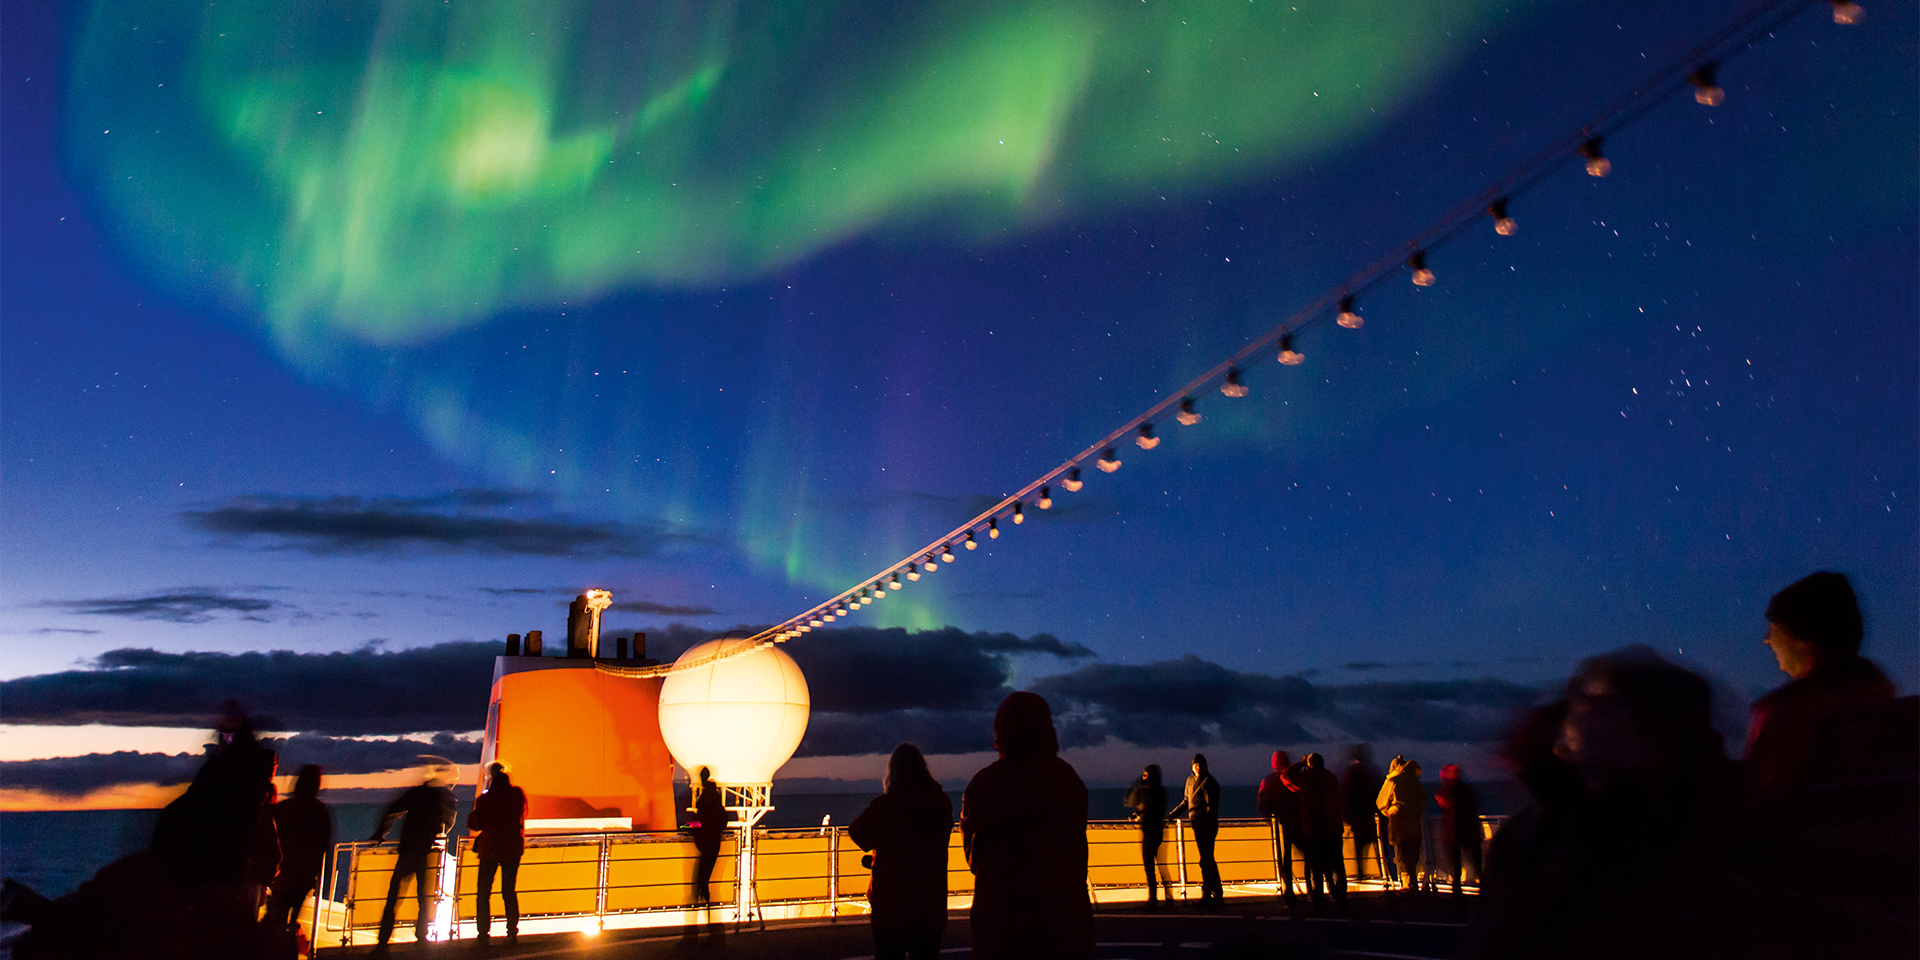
(53, 851)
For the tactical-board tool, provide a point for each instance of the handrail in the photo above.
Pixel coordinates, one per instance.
(595, 881)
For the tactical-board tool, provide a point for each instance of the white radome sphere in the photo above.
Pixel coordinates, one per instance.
(742, 717)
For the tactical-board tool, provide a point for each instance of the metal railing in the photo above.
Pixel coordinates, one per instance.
(596, 881)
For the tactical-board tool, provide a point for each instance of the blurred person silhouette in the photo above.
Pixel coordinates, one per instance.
(1147, 798)
(187, 896)
(1403, 802)
(305, 828)
(907, 828)
(1320, 829)
(499, 817)
(1814, 628)
(1281, 807)
(1626, 773)
(1023, 825)
(1460, 834)
(425, 813)
(709, 828)
(1202, 805)
(1358, 791)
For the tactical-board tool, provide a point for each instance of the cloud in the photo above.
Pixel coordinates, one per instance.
(661, 609)
(184, 605)
(365, 691)
(78, 776)
(1192, 702)
(454, 523)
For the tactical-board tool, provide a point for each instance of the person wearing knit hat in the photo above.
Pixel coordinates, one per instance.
(1814, 628)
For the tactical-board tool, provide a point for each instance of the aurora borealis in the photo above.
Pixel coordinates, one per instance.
(390, 171)
(336, 324)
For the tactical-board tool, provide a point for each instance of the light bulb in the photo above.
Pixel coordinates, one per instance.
(1187, 416)
(1073, 483)
(946, 553)
(927, 564)
(814, 622)
(1846, 12)
(879, 590)
(913, 572)
(971, 544)
(1348, 318)
(895, 582)
(993, 529)
(1706, 92)
(828, 617)
(1597, 165)
(1018, 516)
(1233, 387)
(1422, 276)
(1109, 461)
(1146, 440)
(1502, 224)
(806, 628)
(866, 597)
(1046, 498)
(1288, 355)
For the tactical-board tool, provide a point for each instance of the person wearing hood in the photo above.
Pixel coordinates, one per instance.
(1202, 805)
(1281, 807)
(1403, 801)
(709, 829)
(1320, 828)
(1147, 798)
(907, 828)
(1460, 835)
(1023, 826)
(1814, 628)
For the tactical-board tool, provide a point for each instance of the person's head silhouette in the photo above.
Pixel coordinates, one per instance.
(1814, 618)
(907, 770)
(497, 777)
(1314, 761)
(1023, 727)
(1151, 775)
(307, 783)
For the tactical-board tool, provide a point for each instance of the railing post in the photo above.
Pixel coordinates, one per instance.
(1180, 846)
(353, 889)
(833, 873)
(600, 894)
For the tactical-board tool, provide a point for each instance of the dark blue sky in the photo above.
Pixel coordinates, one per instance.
(1674, 391)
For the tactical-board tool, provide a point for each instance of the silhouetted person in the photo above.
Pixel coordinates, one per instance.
(709, 828)
(305, 828)
(1147, 798)
(1023, 823)
(1460, 833)
(1358, 792)
(1403, 802)
(1814, 628)
(1320, 828)
(907, 828)
(1281, 807)
(425, 813)
(499, 817)
(187, 896)
(1621, 798)
(1202, 806)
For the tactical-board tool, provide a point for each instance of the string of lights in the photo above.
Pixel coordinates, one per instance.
(1697, 70)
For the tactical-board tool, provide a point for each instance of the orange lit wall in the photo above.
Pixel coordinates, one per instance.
(581, 743)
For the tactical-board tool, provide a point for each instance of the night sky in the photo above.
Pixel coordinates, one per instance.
(366, 327)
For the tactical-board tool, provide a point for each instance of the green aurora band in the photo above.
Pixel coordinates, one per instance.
(392, 171)
(371, 179)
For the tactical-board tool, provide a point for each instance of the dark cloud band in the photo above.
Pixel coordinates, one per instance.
(450, 523)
